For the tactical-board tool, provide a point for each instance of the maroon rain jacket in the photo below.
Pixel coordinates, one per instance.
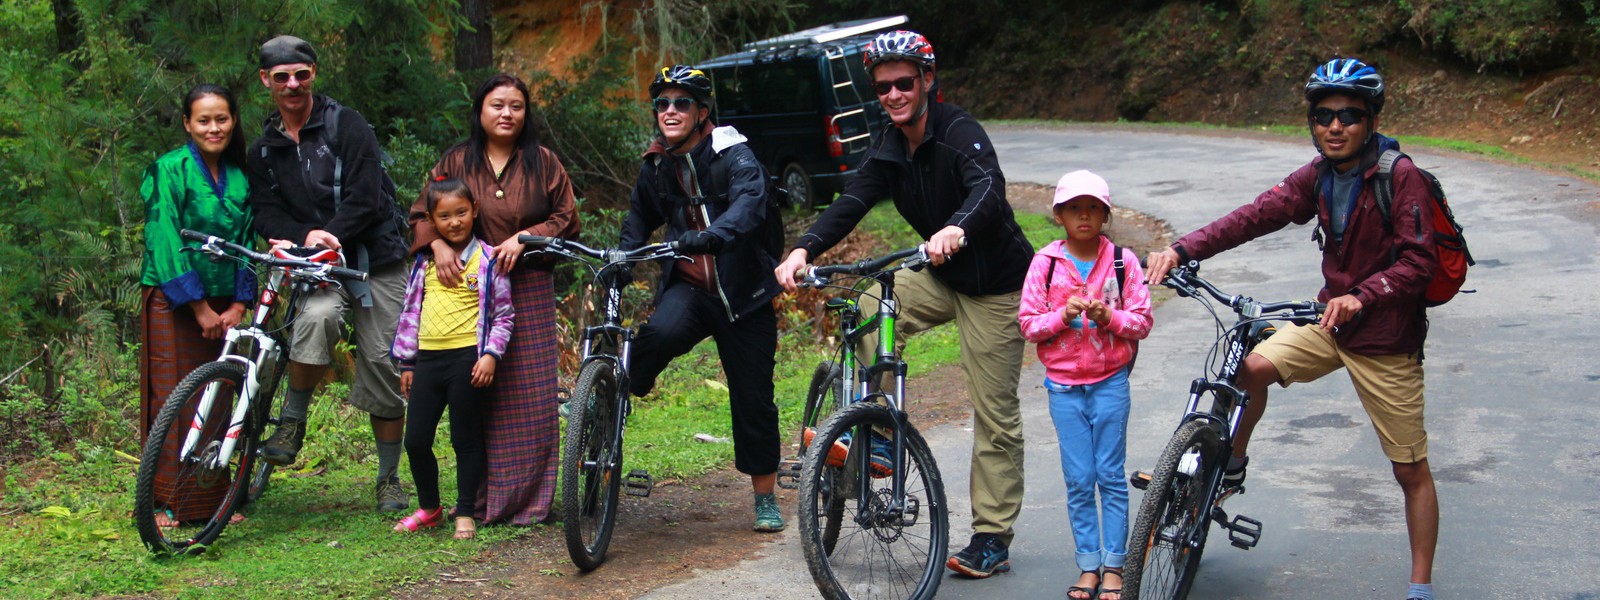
(1386, 269)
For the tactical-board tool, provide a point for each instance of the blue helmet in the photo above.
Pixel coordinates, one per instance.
(1347, 76)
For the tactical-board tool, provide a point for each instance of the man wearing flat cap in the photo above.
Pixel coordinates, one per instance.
(317, 179)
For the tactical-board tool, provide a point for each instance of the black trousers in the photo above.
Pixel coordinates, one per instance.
(443, 378)
(685, 316)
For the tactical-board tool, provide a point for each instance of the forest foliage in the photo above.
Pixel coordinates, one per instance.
(92, 97)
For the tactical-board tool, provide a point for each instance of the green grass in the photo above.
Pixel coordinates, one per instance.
(316, 535)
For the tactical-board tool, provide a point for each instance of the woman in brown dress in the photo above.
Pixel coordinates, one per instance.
(521, 188)
(190, 302)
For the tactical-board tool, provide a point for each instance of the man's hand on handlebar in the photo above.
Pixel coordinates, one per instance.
(318, 237)
(1158, 264)
(1340, 310)
(790, 268)
(945, 244)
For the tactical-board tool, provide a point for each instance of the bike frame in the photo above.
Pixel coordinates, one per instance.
(863, 380)
(266, 349)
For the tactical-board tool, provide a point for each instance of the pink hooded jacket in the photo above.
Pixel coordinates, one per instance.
(1082, 356)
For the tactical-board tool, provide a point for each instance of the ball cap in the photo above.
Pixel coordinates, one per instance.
(287, 50)
(1082, 183)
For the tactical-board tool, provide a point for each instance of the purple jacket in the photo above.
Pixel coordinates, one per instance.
(1386, 271)
(495, 312)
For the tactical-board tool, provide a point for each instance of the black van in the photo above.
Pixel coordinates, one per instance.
(806, 103)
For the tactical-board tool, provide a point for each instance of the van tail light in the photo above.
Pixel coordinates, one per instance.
(831, 130)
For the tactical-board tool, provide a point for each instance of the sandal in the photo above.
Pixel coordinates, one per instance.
(422, 519)
(466, 528)
(1087, 591)
(1108, 590)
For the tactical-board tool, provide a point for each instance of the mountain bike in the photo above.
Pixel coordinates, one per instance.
(873, 518)
(1183, 494)
(598, 408)
(221, 410)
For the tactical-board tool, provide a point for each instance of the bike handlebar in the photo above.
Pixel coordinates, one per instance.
(1187, 282)
(540, 243)
(210, 243)
(914, 259)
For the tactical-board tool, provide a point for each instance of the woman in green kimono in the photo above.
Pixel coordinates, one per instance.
(189, 301)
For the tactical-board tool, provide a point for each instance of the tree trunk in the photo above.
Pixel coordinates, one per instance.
(69, 36)
(474, 49)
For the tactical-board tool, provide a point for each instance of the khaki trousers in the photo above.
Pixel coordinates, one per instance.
(991, 363)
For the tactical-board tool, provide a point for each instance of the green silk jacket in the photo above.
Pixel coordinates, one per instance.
(180, 194)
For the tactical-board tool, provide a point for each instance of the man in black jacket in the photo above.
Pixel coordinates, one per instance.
(706, 186)
(938, 165)
(316, 179)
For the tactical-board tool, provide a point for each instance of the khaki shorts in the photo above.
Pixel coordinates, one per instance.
(376, 389)
(1390, 386)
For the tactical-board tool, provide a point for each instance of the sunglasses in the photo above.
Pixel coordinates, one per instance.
(282, 77)
(903, 84)
(683, 104)
(1347, 116)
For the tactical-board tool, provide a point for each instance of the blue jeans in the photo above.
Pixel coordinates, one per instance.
(1092, 427)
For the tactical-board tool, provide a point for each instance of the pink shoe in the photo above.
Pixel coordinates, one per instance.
(422, 519)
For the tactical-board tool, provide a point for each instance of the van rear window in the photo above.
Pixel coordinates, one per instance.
(766, 89)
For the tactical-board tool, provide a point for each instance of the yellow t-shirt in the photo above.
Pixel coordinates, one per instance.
(449, 318)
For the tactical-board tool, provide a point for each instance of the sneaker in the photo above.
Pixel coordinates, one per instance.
(392, 497)
(768, 518)
(836, 454)
(284, 445)
(880, 463)
(983, 557)
(1233, 477)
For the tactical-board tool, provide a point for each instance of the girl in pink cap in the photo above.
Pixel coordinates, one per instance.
(1085, 305)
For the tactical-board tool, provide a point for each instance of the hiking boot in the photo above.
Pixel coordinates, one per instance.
(392, 497)
(983, 557)
(284, 445)
(768, 518)
(1233, 477)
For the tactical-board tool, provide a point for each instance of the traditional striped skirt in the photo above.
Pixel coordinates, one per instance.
(173, 346)
(521, 427)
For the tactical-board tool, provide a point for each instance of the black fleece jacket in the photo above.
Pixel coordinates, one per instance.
(954, 179)
(291, 185)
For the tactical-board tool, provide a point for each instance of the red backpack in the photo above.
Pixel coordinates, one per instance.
(1449, 241)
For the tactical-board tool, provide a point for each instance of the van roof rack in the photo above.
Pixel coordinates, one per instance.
(826, 33)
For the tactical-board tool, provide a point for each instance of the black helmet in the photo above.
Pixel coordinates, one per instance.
(688, 78)
(1347, 76)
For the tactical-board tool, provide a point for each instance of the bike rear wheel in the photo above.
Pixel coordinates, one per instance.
(1170, 532)
(261, 411)
(880, 552)
(167, 483)
(591, 466)
(822, 400)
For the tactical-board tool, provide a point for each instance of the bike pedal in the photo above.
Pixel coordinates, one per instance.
(638, 483)
(1244, 532)
(789, 474)
(1140, 480)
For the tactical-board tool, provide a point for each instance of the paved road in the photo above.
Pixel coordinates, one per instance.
(1513, 417)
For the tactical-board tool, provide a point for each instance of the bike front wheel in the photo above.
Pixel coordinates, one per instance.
(887, 546)
(1170, 532)
(591, 465)
(200, 491)
(822, 400)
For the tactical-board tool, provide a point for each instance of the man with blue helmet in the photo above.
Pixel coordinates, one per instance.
(1374, 270)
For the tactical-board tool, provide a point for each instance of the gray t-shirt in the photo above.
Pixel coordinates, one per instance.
(1342, 200)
